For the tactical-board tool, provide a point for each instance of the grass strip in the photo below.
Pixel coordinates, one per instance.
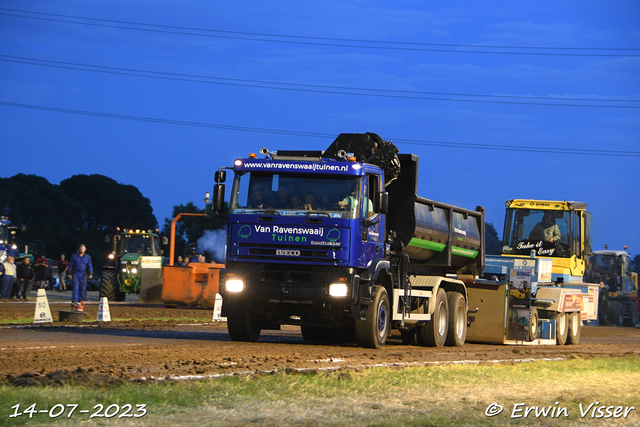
(428, 396)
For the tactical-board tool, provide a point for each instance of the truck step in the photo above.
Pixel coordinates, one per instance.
(410, 318)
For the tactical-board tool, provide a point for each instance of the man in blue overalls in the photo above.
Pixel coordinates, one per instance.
(80, 269)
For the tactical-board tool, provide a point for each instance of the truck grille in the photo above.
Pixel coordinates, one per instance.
(333, 255)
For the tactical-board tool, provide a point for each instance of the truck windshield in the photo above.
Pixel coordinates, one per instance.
(543, 231)
(143, 245)
(295, 194)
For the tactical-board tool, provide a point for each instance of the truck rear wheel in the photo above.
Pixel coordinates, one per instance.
(434, 332)
(108, 285)
(240, 323)
(457, 332)
(615, 313)
(372, 333)
(575, 324)
(562, 328)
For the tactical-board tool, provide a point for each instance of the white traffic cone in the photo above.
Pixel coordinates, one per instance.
(103, 311)
(217, 310)
(43, 312)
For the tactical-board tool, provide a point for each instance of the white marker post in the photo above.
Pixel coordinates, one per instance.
(217, 310)
(103, 312)
(43, 312)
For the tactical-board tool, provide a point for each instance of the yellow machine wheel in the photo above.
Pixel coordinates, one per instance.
(562, 328)
(575, 324)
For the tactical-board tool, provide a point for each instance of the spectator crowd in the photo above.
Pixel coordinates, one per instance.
(18, 276)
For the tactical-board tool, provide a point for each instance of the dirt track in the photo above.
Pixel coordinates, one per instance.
(181, 346)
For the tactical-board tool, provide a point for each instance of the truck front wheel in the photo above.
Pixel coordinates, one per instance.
(240, 323)
(434, 332)
(372, 333)
(457, 320)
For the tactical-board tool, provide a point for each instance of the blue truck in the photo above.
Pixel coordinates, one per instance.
(339, 243)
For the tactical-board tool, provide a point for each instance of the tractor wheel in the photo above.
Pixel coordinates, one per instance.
(562, 328)
(632, 319)
(241, 324)
(372, 333)
(457, 320)
(533, 323)
(575, 324)
(615, 313)
(434, 332)
(108, 285)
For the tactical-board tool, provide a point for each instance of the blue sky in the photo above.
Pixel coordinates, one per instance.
(465, 81)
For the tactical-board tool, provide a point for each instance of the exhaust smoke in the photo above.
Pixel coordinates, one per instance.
(212, 242)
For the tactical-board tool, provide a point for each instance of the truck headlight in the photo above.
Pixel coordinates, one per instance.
(134, 270)
(338, 289)
(235, 285)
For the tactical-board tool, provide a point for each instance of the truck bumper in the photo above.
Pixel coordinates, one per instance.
(293, 296)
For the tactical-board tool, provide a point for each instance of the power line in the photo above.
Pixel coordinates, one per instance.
(318, 41)
(300, 87)
(548, 150)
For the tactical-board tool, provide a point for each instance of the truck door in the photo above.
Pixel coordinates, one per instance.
(372, 236)
(577, 259)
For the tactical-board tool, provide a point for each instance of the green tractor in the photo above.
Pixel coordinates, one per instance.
(134, 265)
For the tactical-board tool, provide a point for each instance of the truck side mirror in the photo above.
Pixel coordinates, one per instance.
(107, 238)
(381, 203)
(165, 240)
(218, 197)
(220, 177)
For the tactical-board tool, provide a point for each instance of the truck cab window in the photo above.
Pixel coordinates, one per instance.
(295, 194)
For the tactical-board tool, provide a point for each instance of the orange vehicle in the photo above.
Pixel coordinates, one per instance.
(193, 285)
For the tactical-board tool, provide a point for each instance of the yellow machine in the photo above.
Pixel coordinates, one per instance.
(613, 269)
(536, 285)
(557, 230)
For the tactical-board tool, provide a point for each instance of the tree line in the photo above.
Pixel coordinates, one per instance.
(84, 209)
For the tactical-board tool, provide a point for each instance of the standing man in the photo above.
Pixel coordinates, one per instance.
(25, 276)
(42, 267)
(7, 278)
(63, 265)
(80, 269)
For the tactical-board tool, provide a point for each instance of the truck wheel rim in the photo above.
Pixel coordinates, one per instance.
(382, 320)
(534, 326)
(442, 321)
(562, 322)
(575, 324)
(460, 322)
